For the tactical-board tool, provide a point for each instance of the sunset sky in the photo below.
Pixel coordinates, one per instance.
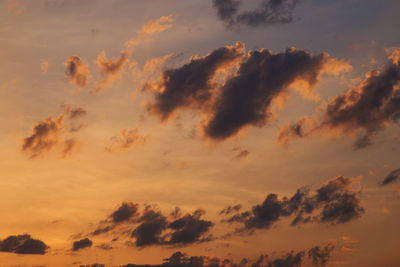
(243, 132)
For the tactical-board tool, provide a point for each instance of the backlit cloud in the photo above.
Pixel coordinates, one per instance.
(361, 112)
(268, 12)
(23, 244)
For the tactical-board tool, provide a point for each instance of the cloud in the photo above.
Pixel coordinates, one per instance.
(70, 145)
(81, 244)
(151, 227)
(269, 12)
(15, 7)
(191, 85)
(77, 71)
(44, 136)
(150, 28)
(23, 244)
(74, 113)
(242, 153)
(334, 202)
(44, 66)
(125, 140)
(392, 177)
(190, 228)
(243, 98)
(110, 69)
(246, 98)
(149, 232)
(180, 259)
(230, 209)
(360, 112)
(126, 211)
(321, 254)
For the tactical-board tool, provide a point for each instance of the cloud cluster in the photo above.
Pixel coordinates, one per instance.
(23, 244)
(361, 111)
(246, 97)
(269, 12)
(334, 202)
(151, 227)
(125, 140)
(45, 134)
(156, 229)
(77, 71)
(319, 256)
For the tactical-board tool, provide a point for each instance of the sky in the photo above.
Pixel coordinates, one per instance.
(200, 133)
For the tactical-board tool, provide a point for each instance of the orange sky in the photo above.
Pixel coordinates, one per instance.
(200, 105)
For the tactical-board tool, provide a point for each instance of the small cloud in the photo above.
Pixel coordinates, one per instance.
(44, 66)
(125, 140)
(81, 244)
(77, 71)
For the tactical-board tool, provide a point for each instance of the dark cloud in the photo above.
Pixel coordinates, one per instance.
(81, 244)
(124, 212)
(180, 259)
(23, 244)
(392, 177)
(321, 254)
(269, 12)
(230, 209)
(244, 98)
(363, 111)
(77, 71)
(291, 259)
(191, 85)
(190, 228)
(334, 202)
(44, 136)
(149, 232)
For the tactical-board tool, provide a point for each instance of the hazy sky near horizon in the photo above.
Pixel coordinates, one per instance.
(116, 112)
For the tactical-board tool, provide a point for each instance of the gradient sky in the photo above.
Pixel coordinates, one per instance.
(92, 77)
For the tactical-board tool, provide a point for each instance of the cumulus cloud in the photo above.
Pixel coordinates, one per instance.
(125, 140)
(392, 177)
(246, 97)
(191, 85)
(361, 112)
(269, 12)
(321, 254)
(23, 244)
(44, 136)
(334, 202)
(77, 71)
(81, 244)
(70, 145)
